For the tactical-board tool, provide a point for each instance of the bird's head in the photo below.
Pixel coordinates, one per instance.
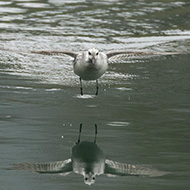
(89, 178)
(93, 55)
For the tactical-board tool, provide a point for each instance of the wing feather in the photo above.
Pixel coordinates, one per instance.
(59, 53)
(128, 53)
(119, 56)
(44, 52)
(52, 167)
(123, 169)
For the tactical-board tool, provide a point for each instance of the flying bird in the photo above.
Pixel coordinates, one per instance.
(92, 64)
(88, 159)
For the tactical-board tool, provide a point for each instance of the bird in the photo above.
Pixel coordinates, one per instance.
(93, 63)
(88, 159)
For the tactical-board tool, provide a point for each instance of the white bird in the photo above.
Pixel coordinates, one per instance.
(89, 160)
(92, 64)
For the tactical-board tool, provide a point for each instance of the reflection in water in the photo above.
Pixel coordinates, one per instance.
(89, 160)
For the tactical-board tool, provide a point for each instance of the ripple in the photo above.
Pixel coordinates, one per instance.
(17, 87)
(118, 123)
(178, 32)
(85, 96)
(53, 89)
(184, 110)
(34, 5)
(11, 10)
(92, 106)
(5, 3)
(124, 89)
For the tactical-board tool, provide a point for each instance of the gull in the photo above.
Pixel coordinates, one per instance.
(88, 159)
(92, 64)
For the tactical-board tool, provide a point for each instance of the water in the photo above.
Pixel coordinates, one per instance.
(142, 110)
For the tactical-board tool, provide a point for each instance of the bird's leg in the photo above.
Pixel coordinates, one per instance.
(96, 87)
(95, 133)
(81, 91)
(80, 129)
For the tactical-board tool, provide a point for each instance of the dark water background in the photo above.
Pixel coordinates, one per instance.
(143, 107)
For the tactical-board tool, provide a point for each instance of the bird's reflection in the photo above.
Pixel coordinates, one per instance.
(89, 160)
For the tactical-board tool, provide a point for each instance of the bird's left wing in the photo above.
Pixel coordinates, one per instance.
(52, 167)
(122, 169)
(128, 53)
(137, 53)
(122, 55)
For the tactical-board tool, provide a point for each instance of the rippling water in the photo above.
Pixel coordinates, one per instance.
(142, 111)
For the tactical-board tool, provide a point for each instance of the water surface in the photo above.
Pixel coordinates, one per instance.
(142, 110)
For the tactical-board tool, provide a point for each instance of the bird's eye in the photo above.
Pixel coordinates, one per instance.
(97, 53)
(89, 53)
(93, 178)
(86, 178)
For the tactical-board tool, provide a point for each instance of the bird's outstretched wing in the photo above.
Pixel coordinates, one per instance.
(122, 169)
(128, 53)
(44, 52)
(52, 167)
(138, 53)
(59, 53)
(117, 56)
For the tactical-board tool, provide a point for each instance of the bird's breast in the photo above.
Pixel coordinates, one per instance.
(82, 167)
(89, 70)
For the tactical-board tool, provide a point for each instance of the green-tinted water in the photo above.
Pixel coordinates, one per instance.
(142, 110)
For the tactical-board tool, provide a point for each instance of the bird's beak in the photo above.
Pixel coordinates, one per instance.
(93, 60)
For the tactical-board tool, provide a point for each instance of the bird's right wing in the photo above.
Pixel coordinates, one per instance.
(52, 167)
(44, 52)
(59, 53)
(122, 169)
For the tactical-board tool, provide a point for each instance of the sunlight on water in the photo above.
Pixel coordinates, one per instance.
(85, 96)
(119, 124)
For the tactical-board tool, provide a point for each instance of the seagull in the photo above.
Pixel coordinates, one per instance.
(92, 64)
(88, 159)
